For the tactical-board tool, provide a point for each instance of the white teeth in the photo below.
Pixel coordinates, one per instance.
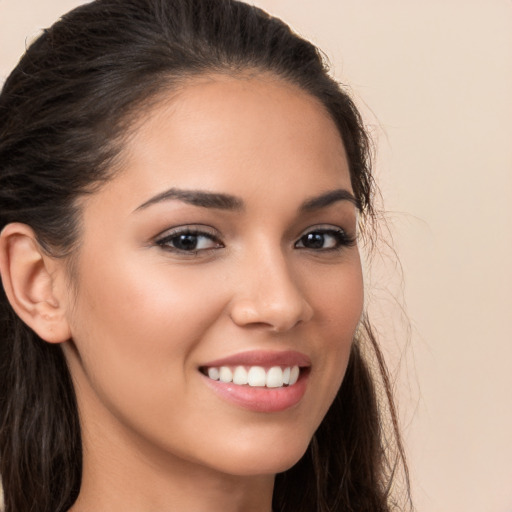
(274, 377)
(294, 375)
(256, 376)
(240, 376)
(225, 374)
(213, 373)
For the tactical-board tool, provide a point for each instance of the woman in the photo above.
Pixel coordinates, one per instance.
(182, 318)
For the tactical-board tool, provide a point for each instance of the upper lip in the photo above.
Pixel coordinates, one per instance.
(263, 358)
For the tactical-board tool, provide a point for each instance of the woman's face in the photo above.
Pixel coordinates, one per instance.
(224, 249)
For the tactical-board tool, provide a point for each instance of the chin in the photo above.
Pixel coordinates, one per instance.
(264, 460)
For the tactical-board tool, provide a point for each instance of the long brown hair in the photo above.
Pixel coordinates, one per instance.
(64, 111)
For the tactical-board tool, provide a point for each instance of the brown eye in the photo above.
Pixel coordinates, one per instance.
(185, 242)
(324, 240)
(188, 241)
(313, 240)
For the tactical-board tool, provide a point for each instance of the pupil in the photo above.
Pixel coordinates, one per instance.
(186, 242)
(314, 240)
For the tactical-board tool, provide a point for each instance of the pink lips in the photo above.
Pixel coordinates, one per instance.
(262, 399)
(263, 358)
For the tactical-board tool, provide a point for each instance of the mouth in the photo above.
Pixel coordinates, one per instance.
(260, 381)
(255, 376)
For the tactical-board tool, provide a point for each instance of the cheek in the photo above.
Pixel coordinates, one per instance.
(140, 323)
(157, 300)
(338, 297)
(338, 302)
(136, 330)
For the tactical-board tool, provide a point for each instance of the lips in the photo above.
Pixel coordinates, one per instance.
(266, 359)
(261, 381)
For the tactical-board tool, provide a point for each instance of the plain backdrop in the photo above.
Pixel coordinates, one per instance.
(434, 80)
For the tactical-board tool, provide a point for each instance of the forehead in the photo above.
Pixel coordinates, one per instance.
(234, 134)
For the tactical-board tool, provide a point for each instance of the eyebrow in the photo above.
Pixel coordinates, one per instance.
(197, 198)
(228, 202)
(329, 198)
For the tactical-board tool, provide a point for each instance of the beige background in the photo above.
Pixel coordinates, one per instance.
(434, 79)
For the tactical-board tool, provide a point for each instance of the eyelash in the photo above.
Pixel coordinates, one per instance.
(341, 240)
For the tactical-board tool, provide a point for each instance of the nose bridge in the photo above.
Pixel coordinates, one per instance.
(268, 292)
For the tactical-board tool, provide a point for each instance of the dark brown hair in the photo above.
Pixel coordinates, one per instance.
(64, 111)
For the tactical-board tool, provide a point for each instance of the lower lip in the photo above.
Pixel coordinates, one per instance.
(261, 399)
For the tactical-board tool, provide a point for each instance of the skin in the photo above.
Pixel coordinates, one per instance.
(144, 317)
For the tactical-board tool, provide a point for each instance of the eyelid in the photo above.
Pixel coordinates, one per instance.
(195, 229)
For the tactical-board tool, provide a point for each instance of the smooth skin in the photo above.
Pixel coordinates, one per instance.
(162, 286)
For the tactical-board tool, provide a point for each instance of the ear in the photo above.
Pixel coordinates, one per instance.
(34, 283)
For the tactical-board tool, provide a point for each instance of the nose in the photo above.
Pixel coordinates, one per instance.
(268, 295)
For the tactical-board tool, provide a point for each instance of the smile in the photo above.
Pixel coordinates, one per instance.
(255, 376)
(260, 381)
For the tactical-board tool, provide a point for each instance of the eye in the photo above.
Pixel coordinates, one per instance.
(325, 239)
(188, 240)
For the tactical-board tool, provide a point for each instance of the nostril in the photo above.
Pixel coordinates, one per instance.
(276, 317)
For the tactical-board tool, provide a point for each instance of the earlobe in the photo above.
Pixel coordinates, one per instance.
(29, 278)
